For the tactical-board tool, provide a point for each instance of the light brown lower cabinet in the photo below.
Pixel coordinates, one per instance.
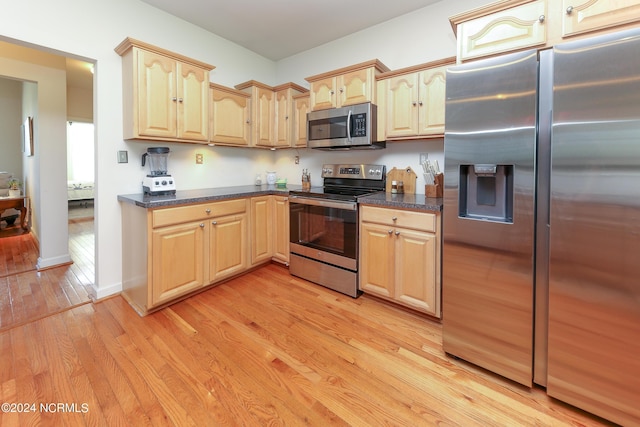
(171, 252)
(400, 257)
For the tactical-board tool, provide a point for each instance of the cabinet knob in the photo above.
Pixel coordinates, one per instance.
(390, 232)
(420, 103)
(541, 18)
(214, 222)
(179, 99)
(174, 99)
(208, 211)
(202, 225)
(248, 122)
(415, 103)
(394, 219)
(286, 199)
(331, 92)
(397, 233)
(569, 10)
(341, 90)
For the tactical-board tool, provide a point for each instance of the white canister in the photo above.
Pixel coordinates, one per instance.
(271, 178)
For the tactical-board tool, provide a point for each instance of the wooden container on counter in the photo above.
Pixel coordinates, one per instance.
(435, 190)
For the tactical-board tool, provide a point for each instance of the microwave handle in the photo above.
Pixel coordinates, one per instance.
(349, 125)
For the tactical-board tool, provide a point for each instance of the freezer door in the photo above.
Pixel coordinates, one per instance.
(490, 142)
(594, 270)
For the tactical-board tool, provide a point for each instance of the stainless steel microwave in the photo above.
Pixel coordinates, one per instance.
(344, 128)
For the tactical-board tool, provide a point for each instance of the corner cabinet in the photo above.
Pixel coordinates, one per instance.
(411, 101)
(272, 123)
(512, 25)
(400, 257)
(165, 94)
(229, 117)
(346, 86)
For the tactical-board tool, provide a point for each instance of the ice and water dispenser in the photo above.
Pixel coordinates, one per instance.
(486, 192)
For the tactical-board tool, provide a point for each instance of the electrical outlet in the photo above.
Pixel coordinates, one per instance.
(198, 158)
(423, 158)
(296, 159)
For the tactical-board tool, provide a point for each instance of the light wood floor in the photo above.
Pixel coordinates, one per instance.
(262, 349)
(26, 294)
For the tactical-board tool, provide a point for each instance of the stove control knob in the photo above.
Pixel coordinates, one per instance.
(164, 182)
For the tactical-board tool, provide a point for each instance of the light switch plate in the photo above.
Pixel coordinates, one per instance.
(123, 156)
(199, 158)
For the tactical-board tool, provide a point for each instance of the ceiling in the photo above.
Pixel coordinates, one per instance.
(277, 29)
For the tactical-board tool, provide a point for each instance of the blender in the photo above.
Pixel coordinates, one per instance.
(158, 181)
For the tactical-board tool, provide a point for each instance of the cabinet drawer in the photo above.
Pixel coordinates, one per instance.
(408, 219)
(201, 211)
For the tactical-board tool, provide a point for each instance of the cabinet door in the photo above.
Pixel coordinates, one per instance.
(582, 16)
(416, 274)
(355, 87)
(261, 229)
(281, 229)
(264, 118)
(515, 28)
(323, 94)
(227, 247)
(377, 259)
(284, 121)
(230, 113)
(402, 105)
(178, 261)
(193, 103)
(300, 110)
(157, 95)
(432, 101)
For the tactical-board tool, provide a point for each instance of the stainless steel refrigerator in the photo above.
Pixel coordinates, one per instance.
(541, 221)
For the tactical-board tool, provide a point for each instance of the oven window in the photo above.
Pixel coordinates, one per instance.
(330, 128)
(328, 229)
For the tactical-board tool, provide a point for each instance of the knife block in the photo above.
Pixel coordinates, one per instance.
(435, 190)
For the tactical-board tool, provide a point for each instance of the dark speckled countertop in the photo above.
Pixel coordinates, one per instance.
(403, 201)
(203, 195)
(400, 201)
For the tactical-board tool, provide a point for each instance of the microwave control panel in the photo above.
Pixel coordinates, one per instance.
(359, 125)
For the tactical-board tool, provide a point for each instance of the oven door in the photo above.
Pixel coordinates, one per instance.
(324, 230)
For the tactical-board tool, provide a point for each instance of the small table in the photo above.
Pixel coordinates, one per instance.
(15, 203)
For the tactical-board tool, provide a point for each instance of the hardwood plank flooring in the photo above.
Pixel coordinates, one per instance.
(26, 294)
(262, 349)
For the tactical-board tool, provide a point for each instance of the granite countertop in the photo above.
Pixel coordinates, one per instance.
(203, 195)
(403, 201)
(406, 201)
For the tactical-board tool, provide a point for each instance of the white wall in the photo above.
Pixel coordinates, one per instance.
(415, 38)
(67, 27)
(10, 121)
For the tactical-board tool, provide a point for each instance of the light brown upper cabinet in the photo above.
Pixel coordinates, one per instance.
(230, 116)
(301, 106)
(271, 113)
(165, 94)
(346, 86)
(511, 25)
(411, 101)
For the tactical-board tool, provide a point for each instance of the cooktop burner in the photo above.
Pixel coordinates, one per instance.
(348, 182)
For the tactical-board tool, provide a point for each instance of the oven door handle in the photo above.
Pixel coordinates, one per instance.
(352, 206)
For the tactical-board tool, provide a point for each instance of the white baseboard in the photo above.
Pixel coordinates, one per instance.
(106, 291)
(44, 263)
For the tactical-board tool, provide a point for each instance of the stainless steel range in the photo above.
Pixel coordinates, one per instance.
(324, 225)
